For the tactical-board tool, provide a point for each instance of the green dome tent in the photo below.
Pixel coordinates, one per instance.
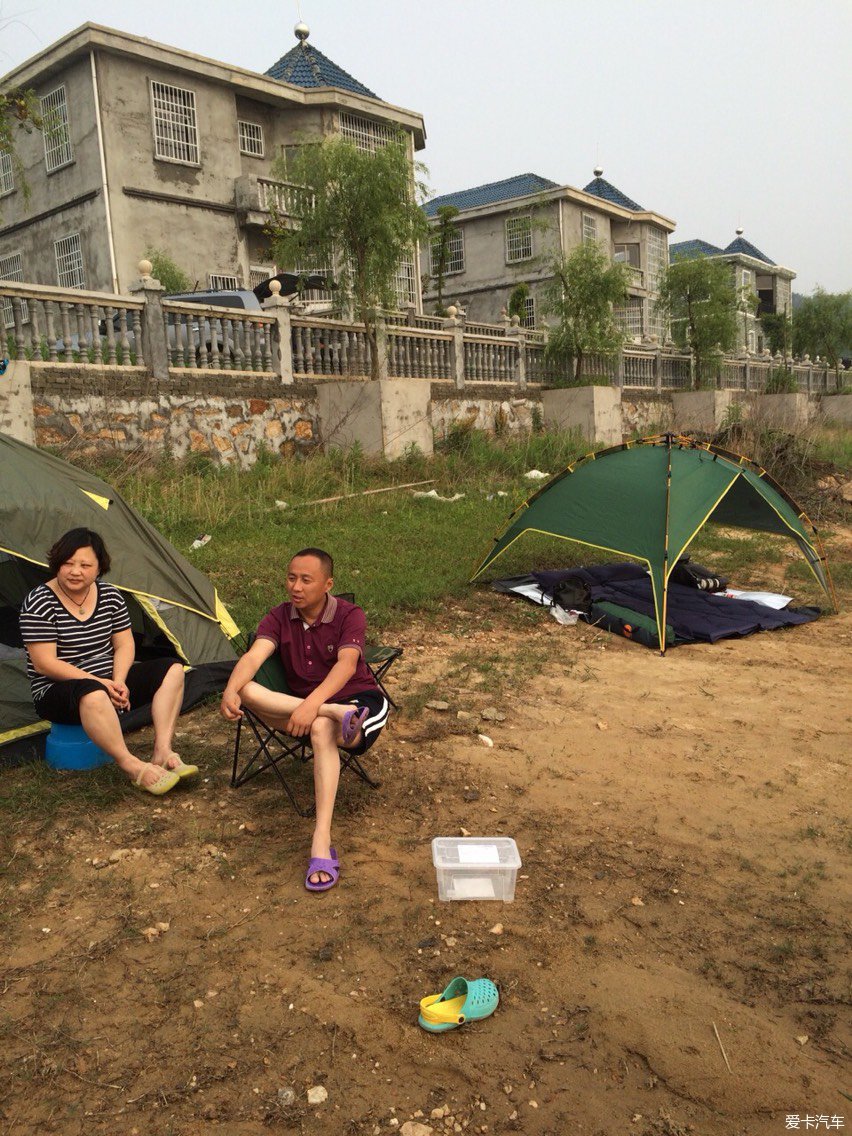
(173, 607)
(648, 499)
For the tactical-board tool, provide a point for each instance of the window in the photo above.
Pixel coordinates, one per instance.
(746, 279)
(404, 284)
(658, 258)
(260, 272)
(626, 254)
(175, 128)
(57, 137)
(220, 280)
(12, 268)
(7, 180)
(629, 316)
(518, 238)
(69, 262)
(366, 134)
(528, 318)
(251, 138)
(455, 254)
(590, 229)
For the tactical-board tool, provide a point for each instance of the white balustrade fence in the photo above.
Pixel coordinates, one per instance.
(70, 326)
(76, 327)
(329, 348)
(206, 338)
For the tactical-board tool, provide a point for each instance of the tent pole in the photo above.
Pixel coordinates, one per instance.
(661, 630)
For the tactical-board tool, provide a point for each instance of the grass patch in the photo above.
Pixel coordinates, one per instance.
(400, 555)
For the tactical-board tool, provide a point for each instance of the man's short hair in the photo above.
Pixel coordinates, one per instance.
(323, 557)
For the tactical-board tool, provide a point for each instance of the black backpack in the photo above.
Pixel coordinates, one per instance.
(573, 594)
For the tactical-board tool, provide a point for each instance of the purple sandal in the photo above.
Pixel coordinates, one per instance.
(331, 867)
(352, 722)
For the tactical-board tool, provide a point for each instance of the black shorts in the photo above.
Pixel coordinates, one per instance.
(374, 723)
(61, 703)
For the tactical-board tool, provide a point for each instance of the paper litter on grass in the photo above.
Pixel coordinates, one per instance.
(436, 496)
(535, 475)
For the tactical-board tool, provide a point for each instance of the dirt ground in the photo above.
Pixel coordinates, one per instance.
(675, 961)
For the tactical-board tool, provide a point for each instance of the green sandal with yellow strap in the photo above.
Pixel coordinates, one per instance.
(461, 1002)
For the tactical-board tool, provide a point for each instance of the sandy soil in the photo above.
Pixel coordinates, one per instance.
(685, 839)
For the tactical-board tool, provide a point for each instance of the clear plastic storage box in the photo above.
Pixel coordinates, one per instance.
(476, 867)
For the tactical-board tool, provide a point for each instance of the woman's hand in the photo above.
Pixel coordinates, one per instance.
(118, 692)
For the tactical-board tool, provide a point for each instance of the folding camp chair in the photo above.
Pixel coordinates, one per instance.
(271, 747)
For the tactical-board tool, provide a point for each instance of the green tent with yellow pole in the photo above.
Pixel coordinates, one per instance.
(648, 499)
(174, 608)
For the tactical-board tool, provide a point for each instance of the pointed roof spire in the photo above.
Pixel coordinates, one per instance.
(305, 66)
(606, 191)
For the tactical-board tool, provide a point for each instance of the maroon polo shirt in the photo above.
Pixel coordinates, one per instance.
(308, 654)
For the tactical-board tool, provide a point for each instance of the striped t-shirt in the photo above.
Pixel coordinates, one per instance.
(85, 643)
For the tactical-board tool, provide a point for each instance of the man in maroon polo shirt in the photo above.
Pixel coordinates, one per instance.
(335, 699)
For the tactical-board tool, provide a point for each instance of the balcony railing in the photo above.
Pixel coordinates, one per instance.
(257, 198)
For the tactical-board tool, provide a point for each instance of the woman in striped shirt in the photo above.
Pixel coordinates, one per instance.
(80, 653)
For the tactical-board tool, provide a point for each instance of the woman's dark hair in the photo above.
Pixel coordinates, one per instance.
(68, 544)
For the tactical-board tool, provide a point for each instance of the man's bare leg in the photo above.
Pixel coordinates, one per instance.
(324, 741)
(276, 708)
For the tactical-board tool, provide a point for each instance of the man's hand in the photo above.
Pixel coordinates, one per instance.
(301, 720)
(230, 706)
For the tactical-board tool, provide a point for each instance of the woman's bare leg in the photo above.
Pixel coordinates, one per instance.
(100, 721)
(165, 708)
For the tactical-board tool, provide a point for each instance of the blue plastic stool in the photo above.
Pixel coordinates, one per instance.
(70, 747)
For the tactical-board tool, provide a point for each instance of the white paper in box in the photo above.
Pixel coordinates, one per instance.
(476, 867)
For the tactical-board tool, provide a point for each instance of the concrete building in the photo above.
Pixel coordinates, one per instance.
(150, 146)
(755, 275)
(507, 231)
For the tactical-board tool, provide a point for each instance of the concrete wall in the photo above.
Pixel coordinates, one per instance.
(16, 403)
(386, 417)
(487, 282)
(187, 211)
(199, 230)
(24, 228)
(838, 409)
(595, 412)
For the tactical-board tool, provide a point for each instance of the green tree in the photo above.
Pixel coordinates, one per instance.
(822, 325)
(19, 111)
(360, 221)
(519, 294)
(699, 300)
(164, 269)
(580, 296)
(442, 235)
(778, 329)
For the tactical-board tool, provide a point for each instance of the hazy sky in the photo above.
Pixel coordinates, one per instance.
(716, 113)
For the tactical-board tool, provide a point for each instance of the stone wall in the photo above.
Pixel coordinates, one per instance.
(485, 407)
(645, 412)
(228, 415)
(223, 415)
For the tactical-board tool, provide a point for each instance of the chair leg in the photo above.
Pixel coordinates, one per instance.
(263, 757)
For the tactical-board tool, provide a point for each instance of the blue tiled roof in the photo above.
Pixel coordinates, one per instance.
(748, 249)
(304, 66)
(492, 193)
(685, 250)
(603, 189)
